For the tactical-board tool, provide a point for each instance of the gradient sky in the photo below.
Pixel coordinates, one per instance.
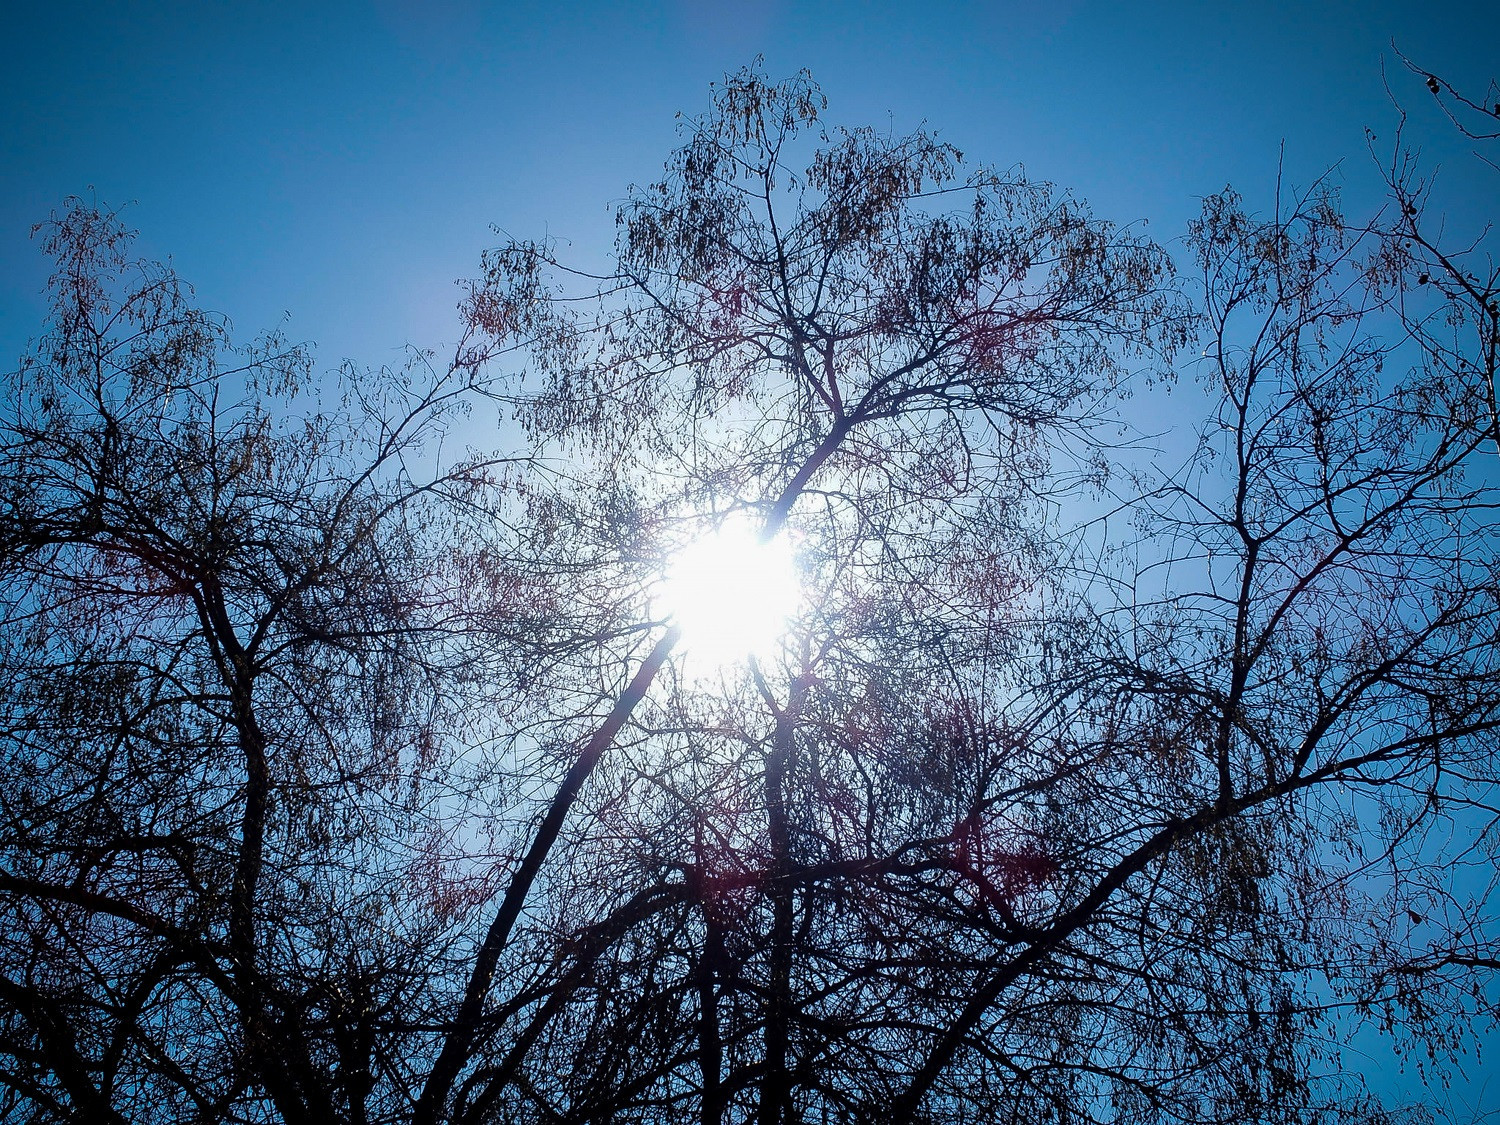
(332, 168)
(343, 163)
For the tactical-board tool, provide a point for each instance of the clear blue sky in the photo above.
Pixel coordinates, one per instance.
(341, 163)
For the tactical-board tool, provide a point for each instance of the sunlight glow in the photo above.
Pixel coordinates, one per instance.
(731, 594)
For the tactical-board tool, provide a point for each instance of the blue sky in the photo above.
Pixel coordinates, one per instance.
(342, 163)
(332, 168)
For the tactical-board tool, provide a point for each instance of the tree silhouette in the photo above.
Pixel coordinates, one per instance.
(230, 664)
(346, 784)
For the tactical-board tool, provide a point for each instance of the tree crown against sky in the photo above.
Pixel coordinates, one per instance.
(348, 781)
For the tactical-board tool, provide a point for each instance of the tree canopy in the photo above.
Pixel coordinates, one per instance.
(347, 778)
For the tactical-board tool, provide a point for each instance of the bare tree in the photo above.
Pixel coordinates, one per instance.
(1005, 831)
(874, 337)
(1457, 319)
(341, 786)
(230, 651)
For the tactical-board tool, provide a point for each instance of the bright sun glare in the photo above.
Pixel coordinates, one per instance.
(730, 594)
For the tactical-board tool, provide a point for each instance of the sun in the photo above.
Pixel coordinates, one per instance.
(731, 594)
